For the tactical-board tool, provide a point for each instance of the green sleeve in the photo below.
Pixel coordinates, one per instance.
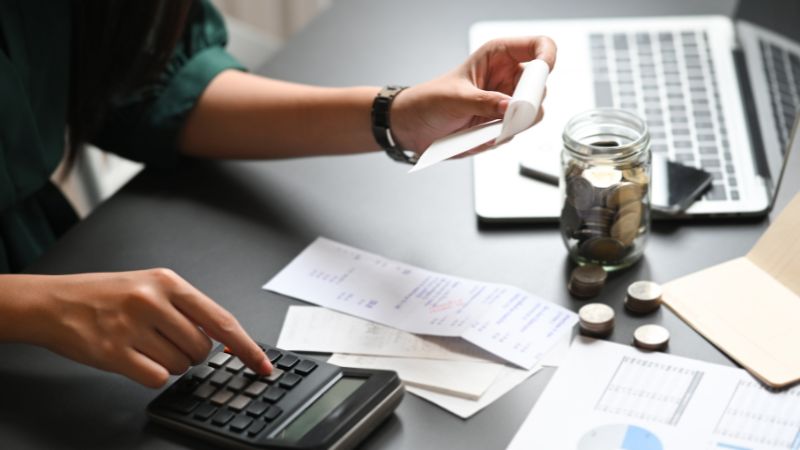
(145, 126)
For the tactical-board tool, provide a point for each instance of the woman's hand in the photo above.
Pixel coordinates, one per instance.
(475, 92)
(144, 325)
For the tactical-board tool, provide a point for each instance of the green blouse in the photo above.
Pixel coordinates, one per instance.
(34, 82)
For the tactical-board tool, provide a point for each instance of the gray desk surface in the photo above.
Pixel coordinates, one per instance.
(228, 227)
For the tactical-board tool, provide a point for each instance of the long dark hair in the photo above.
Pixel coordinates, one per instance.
(117, 46)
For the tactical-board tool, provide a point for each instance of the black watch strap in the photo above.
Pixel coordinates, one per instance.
(381, 125)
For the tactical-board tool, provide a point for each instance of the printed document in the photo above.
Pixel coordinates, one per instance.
(504, 320)
(335, 332)
(611, 396)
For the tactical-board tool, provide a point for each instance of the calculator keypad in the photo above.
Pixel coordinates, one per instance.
(225, 397)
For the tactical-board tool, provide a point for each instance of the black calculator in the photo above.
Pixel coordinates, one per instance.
(304, 404)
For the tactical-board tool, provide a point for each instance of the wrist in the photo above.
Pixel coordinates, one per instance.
(384, 124)
(401, 120)
(25, 314)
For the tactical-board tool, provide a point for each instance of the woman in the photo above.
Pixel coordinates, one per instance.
(150, 80)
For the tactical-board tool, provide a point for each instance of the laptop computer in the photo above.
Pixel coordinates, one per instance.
(716, 93)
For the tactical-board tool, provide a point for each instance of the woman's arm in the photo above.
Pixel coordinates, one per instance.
(241, 115)
(144, 324)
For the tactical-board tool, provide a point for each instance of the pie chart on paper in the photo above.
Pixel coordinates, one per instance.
(619, 437)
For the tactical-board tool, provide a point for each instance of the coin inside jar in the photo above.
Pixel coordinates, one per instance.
(623, 193)
(636, 175)
(580, 192)
(603, 249)
(602, 176)
(626, 228)
(643, 297)
(570, 221)
(651, 337)
(596, 319)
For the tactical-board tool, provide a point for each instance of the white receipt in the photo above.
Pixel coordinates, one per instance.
(503, 320)
(463, 379)
(507, 378)
(520, 115)
(334, 332)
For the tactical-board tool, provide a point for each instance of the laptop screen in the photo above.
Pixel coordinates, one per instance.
(781, 16)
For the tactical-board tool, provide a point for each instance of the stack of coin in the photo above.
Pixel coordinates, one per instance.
(643, 297)
(604, 210)
(596, 319)
(651, 337)
(586, 281)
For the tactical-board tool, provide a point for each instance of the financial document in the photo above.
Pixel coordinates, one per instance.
(503, 320)
(464, 379)
(611, 396)
(335, 332)
(448, 372)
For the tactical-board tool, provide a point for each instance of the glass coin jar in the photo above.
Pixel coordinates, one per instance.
(605, 187)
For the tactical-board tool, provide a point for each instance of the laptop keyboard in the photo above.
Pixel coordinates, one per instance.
(782, 69)
(669, 79)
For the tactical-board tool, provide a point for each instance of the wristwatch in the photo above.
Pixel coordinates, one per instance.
(381, 125)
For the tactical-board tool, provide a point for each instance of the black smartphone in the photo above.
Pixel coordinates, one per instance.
(674, 186)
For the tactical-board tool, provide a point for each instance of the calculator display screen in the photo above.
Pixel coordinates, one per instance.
(320, 409)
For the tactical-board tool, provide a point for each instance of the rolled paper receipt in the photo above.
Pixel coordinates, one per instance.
(520, 115)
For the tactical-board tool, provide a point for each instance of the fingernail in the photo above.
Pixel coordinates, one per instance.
(502, 106)
(266, 367)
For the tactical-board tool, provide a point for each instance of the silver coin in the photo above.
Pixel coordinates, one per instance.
(651, 337)
(597, 318)
(586, 281)
(589, 274)
(602, 176)
(645, 291)
(570, 221)
(580, 192)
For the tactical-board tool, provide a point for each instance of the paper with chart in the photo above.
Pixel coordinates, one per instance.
(610, 396)
(506, 321)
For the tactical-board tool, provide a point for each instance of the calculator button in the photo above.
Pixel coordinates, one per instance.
(257, 408)
(273, 376)
(305, 367)
(204, 412)
(235, 365)
(290, 380)
(241, 423)
(219, 359)
(222, 417)
(256, 428)
(204, 391)
(183, 405)
(273, 354)
(239, 403)
(274, 394)
(238, 383)
(221, 377)
(221, 397)
(272, 413)
(256, 388)
(248, 372)
(288, 361)
(201, 372)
